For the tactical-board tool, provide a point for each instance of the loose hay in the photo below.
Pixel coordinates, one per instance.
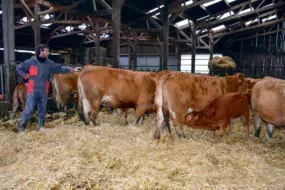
(114, 156)
(222, 62)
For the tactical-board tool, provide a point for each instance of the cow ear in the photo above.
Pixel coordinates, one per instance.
(240, 77)
(227, 74)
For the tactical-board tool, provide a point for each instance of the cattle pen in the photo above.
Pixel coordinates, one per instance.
(159, 94)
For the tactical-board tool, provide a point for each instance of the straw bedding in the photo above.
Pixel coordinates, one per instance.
(69, 155)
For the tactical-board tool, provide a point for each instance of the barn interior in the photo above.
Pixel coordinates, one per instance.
(140, 35)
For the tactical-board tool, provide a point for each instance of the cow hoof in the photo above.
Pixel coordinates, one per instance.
(97, 124)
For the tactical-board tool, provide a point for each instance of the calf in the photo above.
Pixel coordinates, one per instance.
(19, 97)
(219, 114)
(268, 104)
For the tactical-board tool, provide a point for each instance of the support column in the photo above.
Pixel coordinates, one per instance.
(98, 60)
(116, 18)
(178, 54)
(211, 45)
(241, 51)
(194, 37)
(129, 58)
(37, 28)
(9, 48)
(165, 35)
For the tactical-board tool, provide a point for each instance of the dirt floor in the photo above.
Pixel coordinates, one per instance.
(69, 155)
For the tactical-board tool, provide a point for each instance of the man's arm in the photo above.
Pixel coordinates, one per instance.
(23, 69)
(57, 68)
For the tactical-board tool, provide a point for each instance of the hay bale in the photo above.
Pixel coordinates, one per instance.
(225, 62)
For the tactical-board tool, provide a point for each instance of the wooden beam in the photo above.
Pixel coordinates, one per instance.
(248, 28)
(98, 60)
(225, 11)
(181, 9)
(69, 33)
(27, 8)
(116, 18)
(165, 35)
(264, 34)
(193, 57)
(104, 4)
(146, 30)
(37, 26)
(212, 23)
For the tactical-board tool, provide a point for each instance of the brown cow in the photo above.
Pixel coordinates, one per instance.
(268, 104)
(19, 96)
(220, 113)
(63, 85)
(177, 94)
(116, 88)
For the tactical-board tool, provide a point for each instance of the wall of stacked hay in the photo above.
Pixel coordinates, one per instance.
(69, 155)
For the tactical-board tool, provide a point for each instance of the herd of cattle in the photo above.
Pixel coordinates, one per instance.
(197, 101)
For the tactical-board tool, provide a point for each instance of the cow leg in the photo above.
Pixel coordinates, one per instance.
(257, 124)
(86, 109)
(159, 122)
(141, 119)
(179, 130)
(270, 130)
(16, 104)
(139, 113)
(95, 107)
(245, 121)
(123, 112)
(223, 127)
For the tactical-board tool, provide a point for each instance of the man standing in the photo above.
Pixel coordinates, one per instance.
(37, 70)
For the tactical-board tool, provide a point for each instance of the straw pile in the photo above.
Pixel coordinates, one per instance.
(69, 155)
(222, 62)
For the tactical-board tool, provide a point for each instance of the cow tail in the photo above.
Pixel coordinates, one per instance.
(81, 114)
(16, 102)
(55, 91)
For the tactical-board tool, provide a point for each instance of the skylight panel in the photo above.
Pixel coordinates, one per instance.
(0, 12)
(211, 3)
(269, 18)
(82, 26)
(187, 3)
(251, 22)
(246, 11)
(182, 24)
(230, 1)
(46, 25)
(152, 10)
(69, 28)
(268, 5)
(202, 18)
(218, 28)
(227, 14)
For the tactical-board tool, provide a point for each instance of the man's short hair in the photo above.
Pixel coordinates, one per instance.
(40, 48)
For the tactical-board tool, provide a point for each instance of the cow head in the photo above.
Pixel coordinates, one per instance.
(237, 83)
(192, 118)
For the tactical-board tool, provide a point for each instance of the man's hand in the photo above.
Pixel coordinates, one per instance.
(77, 69)
(27, 76)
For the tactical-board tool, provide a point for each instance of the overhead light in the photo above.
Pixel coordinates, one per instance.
(211, 3)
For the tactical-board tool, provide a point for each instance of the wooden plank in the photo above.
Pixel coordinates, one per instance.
(165, 35)
(37, 26)
(116, 18)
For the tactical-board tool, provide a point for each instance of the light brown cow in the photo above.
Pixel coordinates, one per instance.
(63, 85)
(178, 94)
(220, 114)
(268, 104)
(19, 97)
(116, 88)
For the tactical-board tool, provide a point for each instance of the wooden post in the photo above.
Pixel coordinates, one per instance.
(241, 52)
(178, 55)
(212, 43)
(116, 18)
(9, 47)
(98, 60)
(194, 37)
(37, 28)
(129, 56)
(165, 35)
